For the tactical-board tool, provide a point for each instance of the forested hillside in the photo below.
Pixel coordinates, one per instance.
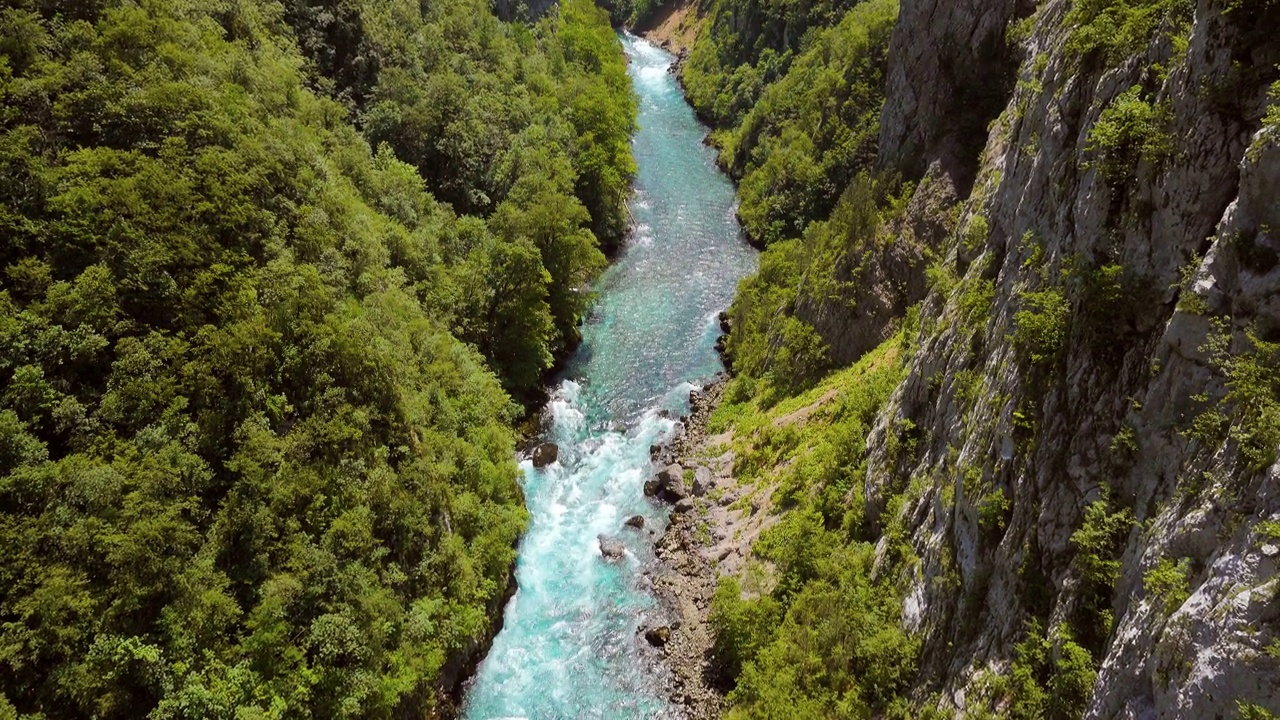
(270, 276)
(1006, 412)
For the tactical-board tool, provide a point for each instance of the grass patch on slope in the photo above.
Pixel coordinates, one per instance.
(798, 651)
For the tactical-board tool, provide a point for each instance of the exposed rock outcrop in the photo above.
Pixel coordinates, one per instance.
(610, 548)
(668, 485)
(1163, 265)
(950, 73)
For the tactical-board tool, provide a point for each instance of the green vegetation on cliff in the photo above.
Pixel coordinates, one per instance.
(265, 275)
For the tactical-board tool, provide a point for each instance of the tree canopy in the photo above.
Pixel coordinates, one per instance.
(269, 278)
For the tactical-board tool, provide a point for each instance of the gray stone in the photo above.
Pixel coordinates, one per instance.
(611, 549)
(702, 481)
(635, 521)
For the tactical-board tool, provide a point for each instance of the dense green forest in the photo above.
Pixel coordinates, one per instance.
(270, 277)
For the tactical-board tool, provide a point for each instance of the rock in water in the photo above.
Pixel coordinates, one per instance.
(635, 521)
(611, 549)
(657, 636)
(651, 488)
(545, 454)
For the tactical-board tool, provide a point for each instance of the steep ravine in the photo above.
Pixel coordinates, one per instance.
(1082, 447)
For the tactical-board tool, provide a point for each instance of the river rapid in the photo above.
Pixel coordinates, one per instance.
(570, 647)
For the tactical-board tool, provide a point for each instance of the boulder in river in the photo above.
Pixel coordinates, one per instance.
(611, 549)
(651, 487)
(635, 521)
(657, 636)
(721, 345)
(545, 454)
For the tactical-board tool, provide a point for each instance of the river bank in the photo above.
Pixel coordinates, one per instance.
(711, 533)
(685, 577)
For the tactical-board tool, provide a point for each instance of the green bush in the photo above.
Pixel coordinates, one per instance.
(1041, 330)
(747, 44)
(1253, 380)
(1119, 29)
(740, 628)
(805, 140)
(1129, 130)
(1251, 711)
(256, 457)
(1169, 583)
(1272, 117)
(1051, 678)
(797, 646)
(825, 661)
(976, 234)
(1097, 544)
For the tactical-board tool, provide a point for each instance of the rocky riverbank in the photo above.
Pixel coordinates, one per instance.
(685, 579)
(672, 27)
(713, 523)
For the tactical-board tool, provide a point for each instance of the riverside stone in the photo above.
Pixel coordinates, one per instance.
(545, 454)
(610, 548)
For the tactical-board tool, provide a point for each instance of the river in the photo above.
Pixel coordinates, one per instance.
(569, 646)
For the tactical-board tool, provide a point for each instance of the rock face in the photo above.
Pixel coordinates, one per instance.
(950, 74)
(545, 454)
(1138, 192)
(884, 279)
(703, 481)
(1168, 271)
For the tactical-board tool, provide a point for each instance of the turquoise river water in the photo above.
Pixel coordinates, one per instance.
(569, 646)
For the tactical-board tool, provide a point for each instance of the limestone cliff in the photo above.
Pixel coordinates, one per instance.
(1149, 247)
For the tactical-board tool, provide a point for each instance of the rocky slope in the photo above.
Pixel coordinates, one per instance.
(1152, 265)
(1083, 447)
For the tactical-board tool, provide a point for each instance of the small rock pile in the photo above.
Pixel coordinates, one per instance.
(684, 579)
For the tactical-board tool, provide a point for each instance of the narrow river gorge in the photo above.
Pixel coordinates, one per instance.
(569, 646)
